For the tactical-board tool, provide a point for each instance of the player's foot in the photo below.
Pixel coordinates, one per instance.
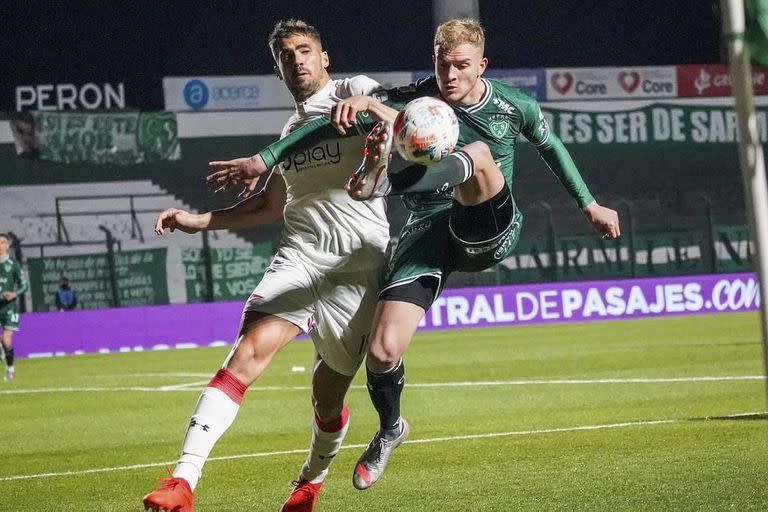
(374, 459)
(10, 374)
(370, 179)
(303, 497)
(173, 495)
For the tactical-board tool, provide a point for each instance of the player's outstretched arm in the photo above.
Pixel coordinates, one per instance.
(256, 210)
(604, 220)
(262, 208)
(175, 218)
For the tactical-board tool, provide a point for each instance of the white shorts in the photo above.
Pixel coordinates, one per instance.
(335, 307)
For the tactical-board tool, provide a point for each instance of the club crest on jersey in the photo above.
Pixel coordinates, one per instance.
(499, 128)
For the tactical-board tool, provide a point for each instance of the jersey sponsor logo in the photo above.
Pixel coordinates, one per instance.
(323, 154)
(503, 105)
(499, 128)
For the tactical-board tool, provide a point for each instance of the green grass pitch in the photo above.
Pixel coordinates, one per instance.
(663, 414)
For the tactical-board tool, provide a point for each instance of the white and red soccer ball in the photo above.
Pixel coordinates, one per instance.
(426, 131)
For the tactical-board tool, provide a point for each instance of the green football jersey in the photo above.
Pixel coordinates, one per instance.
(11, 278)
(498, 119)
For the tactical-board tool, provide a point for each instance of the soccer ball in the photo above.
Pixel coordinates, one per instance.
(426, 131)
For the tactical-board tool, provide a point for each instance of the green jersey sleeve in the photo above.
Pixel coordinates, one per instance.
(310, 134)
(552, 150)
(320, 129)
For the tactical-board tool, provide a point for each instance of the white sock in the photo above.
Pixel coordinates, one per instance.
(213, 415)
(324, 447)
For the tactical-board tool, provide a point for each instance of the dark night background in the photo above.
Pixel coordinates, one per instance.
(139, 42)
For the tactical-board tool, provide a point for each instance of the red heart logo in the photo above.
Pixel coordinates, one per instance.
(561, 82)
(629, 81)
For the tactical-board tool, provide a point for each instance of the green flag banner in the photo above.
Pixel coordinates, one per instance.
(653, 124)
(756, 35)
(236, 271)
(140, 275)
(102, 138)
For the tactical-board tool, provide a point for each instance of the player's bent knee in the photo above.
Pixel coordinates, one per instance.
(385, 353)
(480, 153)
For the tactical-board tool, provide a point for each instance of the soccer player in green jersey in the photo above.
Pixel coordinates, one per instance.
(12, 285)
(463, 216)
(462, 213)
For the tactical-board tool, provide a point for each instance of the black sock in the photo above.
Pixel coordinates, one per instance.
(452, 170)
(385, 390)
(9, 356)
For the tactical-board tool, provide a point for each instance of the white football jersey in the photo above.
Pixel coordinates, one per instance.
(320, 218)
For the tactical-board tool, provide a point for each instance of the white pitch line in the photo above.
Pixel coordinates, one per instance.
(170, 374)
(355, 446)
(192, 386)
(468, 437)
(185, 386)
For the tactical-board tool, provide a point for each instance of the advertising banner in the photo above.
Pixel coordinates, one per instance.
(533, 81)
(592, 300)
(247, 92)
(191, 325)
(243, 92)
(611, 83)
(696, 81)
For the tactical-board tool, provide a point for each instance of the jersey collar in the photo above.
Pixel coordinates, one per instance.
(483, 99)
(308, 106)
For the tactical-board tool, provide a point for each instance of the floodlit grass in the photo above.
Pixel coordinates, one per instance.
(498, 424)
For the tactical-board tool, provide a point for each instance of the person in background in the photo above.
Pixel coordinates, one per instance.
(65, 297)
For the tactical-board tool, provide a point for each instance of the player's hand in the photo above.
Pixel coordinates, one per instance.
(344, 113)
(174, 219)
(604, 220)
(245, 171)
(9, 296)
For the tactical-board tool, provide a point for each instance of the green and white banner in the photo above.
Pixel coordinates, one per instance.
(140, 276)
(652, 124)
(103, 138)
(236, 271)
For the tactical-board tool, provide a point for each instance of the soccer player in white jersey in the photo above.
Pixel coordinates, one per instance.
(324, 278)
